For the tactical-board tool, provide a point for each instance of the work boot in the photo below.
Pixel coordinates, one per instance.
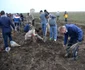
(76, 56)
(73, 58)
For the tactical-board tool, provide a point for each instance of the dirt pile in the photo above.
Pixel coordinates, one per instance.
(40, 56)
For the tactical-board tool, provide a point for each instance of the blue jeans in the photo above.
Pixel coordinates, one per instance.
(53, 32)
(5, 37)
(44, 29)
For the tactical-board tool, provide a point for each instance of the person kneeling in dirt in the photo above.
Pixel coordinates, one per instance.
(43, 24)
(5, 24)
(76, 36)
(32, 35)
(53, 27)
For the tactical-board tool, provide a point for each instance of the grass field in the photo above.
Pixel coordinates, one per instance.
(75, 17)
(78, 17)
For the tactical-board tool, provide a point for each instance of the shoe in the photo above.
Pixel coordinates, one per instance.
(7, 49)
(54, 39)
(74, 58)
(50, 39)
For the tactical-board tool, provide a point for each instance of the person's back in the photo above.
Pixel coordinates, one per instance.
(5, 23)
(29, 34)
(66, 15)
(53, 28)
(43, 19)
(73, 28)
(52, 21)
(17, 19)
(74, 31)
(26, 28)
(29, 18)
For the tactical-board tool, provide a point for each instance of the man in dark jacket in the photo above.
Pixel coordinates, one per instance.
(76, 35)
(5, 25)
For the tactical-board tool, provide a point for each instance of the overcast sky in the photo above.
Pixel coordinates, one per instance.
(24, 6)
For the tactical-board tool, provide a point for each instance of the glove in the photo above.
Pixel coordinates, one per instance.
(39, 37)
(75, 45)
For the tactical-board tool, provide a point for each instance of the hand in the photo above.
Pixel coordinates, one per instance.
(64, 46)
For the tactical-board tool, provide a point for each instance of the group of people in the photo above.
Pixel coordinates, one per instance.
(8, 22)
(46, 19)
(68, 30)
(65, 16)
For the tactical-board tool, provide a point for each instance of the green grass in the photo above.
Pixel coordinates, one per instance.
(78, 17)
(75, 17)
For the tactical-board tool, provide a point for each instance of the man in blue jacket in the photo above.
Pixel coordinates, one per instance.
(5, 25)
(53, 28)
(17, 21)
(43, 23)
(76, 35)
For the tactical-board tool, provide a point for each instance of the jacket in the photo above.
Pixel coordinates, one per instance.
(5, 24)
(73, 32)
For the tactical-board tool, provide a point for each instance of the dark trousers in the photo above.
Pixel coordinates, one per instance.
(5, 37)
(72, 41)
(17, 26)
(66, 20)
(22, 19)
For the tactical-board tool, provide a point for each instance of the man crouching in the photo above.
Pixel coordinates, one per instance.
(76, 36)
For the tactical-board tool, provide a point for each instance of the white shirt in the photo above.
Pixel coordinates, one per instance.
(29, 34)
